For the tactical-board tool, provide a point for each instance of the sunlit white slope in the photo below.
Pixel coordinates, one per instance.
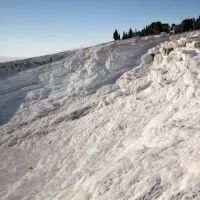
(95, 126)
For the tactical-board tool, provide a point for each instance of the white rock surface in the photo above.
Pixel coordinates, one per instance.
(96, 126)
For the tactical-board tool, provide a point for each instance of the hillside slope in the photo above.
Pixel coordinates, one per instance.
(102, 123)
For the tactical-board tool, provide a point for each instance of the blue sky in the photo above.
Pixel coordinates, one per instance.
(38, 27)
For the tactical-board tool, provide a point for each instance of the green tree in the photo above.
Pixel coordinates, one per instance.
(187, 24)
(165, 28)
(116, 35)
(155, 28)
(125, 36)
(130, 33)
(179, 28)
(196, 25)
(172, 27)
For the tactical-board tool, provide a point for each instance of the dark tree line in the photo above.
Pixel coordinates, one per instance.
(187, 25)
(155, 28)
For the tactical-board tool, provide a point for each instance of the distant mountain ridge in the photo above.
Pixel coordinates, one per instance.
(19, 64)
(7, 59)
